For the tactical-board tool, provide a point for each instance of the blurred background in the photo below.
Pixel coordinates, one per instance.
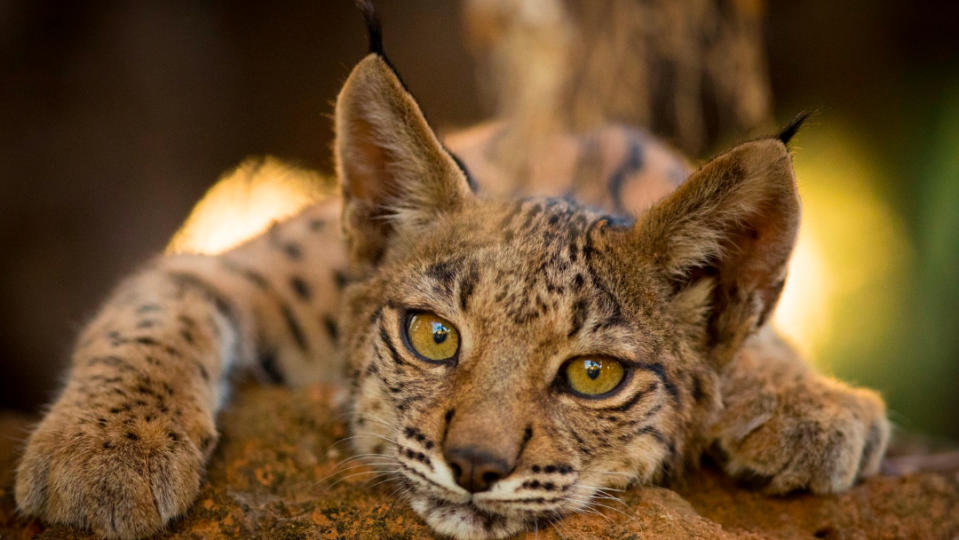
(115, 117)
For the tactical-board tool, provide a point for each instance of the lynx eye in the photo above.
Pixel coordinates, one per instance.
(593, 376)
(432, 337)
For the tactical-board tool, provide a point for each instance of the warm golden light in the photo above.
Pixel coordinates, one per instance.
(840, 297)
(804, 308)
(244, 202)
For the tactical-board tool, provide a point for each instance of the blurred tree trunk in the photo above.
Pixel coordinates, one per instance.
(693, 72)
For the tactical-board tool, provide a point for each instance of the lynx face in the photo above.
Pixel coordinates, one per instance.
(566, 373)
(510, 359)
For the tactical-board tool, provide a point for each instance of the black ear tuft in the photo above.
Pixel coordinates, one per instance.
(373, 27)
(375, 31)
(790, 130)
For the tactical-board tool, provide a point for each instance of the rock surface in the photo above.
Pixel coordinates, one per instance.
(279, 473)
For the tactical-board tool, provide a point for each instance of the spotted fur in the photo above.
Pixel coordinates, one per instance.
(675, 279)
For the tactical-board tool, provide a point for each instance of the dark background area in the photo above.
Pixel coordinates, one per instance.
(116, 116)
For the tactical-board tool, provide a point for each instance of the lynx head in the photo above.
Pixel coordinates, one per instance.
(509, 359)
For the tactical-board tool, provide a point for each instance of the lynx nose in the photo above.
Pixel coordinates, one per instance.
(474, 468)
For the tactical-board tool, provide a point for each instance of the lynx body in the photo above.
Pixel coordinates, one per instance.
(506, 358)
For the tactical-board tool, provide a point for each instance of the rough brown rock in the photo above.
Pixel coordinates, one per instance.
(279, 473)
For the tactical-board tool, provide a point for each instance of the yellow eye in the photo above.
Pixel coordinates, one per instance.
(432, 337)
(594, 375)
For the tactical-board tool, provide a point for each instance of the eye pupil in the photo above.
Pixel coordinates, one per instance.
(440, 332)
(593, 369)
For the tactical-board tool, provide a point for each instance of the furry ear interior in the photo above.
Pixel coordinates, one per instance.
(393, 170)
(733, 222)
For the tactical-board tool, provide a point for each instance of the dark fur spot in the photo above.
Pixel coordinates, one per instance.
(296, 332)
(340, 279)
(527, 434)
(316, 224)
(444, 272)
(698, 393)
(293, 251)
(147, 308)
(202, 370)
(270, 367)
(147, 341)
(331, 328)
(132, 436)
(578, 318)
(300, 287)
(467, 284)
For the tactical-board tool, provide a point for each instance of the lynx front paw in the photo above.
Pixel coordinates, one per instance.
(122, 474)
(820, 437)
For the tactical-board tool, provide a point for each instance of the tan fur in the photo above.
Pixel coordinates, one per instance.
(680, 295)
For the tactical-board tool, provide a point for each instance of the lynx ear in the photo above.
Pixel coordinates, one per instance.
(393, 169)
(734, 221)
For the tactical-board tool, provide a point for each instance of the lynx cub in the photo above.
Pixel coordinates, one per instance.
(508, 357)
